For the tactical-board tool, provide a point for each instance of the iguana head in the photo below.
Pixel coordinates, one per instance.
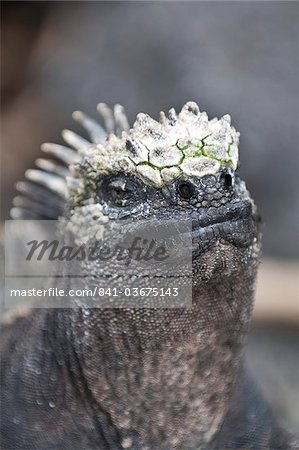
(180, 166)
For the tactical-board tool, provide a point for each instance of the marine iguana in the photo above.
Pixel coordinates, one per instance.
(143, 378)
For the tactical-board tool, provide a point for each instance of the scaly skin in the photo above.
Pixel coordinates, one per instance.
(146, 378)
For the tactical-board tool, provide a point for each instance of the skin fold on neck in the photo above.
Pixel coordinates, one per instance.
(166, 374)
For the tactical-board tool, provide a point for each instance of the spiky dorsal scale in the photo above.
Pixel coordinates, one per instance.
(63, 154)
(96, 132)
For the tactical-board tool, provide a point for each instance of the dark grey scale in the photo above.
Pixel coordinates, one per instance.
(194, 201)
(217, 195)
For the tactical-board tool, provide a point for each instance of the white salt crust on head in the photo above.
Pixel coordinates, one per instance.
(187, 144)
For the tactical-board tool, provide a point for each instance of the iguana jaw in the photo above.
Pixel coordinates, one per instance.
(235, 224)
(239, 211)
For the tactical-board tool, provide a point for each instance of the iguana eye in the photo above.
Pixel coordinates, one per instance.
(119, 191)
(185, 189)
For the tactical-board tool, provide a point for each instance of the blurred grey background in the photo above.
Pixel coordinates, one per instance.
(239, 58)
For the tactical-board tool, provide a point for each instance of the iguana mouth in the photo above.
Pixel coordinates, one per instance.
(233, 212)
(235, 224)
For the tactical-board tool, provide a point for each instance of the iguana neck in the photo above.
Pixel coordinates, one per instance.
(166, 374)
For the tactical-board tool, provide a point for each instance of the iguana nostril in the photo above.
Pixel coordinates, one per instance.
(185, 189)
(228, 179)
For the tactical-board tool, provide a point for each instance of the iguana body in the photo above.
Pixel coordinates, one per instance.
(144, 378)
